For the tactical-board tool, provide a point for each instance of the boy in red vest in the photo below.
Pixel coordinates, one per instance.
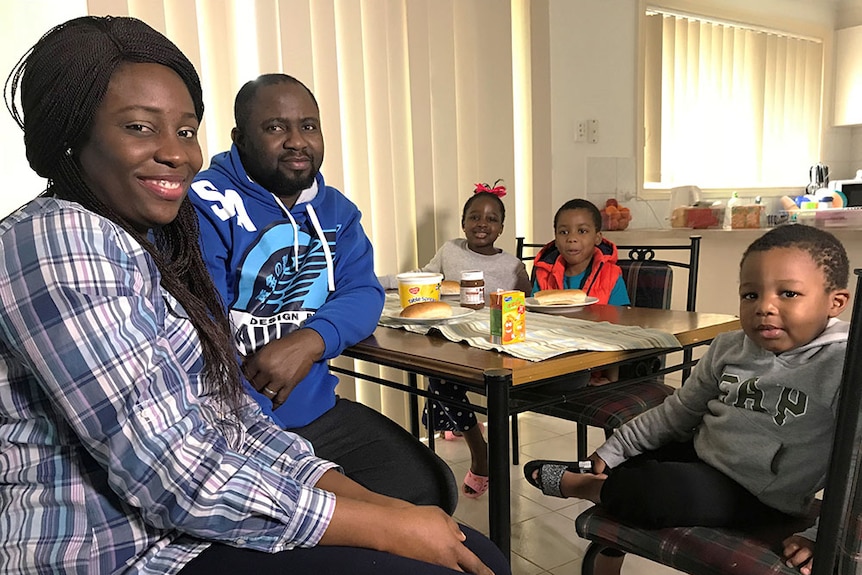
(579, 257)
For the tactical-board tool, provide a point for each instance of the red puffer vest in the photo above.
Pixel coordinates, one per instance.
(549, 268)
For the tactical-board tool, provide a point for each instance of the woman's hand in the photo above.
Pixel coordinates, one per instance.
(424, 533)
(428, 534)
(799, 551)
(345, 487)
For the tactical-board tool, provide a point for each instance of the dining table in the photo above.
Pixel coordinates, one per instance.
(498, 375)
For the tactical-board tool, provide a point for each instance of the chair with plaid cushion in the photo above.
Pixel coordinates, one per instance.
(697, 550)
(713, 551)
(649, 281)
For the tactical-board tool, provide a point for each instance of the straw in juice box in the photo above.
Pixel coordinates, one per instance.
(508, 317)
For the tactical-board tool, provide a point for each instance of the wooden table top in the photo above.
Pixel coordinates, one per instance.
(435, 356)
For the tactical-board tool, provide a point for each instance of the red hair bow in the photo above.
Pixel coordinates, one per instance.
(498, 191)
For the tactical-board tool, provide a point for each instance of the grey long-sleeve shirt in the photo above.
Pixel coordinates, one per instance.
(502, 270)
(764, 420)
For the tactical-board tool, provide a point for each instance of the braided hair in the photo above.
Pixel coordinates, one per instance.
(61, 82)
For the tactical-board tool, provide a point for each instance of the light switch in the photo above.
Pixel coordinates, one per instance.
(592, 131)
(581, 131)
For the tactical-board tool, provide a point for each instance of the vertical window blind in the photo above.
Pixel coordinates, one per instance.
(727, 105)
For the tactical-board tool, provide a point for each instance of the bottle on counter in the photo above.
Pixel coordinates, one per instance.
(473, 289)
(728, 210)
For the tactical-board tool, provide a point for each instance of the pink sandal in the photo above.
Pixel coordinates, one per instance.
(478, 483)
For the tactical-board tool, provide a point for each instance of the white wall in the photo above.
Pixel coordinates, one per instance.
(848, 14)
(593, 76)
(21, 25)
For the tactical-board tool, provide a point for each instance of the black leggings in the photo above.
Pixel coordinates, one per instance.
(220, 558)
(672, 487)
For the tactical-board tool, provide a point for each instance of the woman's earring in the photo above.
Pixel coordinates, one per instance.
(69, 152)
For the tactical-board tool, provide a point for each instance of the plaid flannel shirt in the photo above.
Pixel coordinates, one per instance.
(113, 457)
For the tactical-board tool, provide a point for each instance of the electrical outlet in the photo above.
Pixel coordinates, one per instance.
(581, 131)
(593, 131)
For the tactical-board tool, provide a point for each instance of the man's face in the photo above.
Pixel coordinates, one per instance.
(281, 144)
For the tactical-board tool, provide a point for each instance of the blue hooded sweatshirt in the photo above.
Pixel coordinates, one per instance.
(276, 274)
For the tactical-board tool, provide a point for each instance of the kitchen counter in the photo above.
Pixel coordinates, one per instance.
(720, 253)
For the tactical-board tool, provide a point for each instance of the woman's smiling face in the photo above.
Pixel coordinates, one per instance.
(142, 151)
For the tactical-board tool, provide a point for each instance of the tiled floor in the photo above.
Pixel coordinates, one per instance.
(543, 529)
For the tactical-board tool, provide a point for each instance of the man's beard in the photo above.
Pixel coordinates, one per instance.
(285, 187)
(271, 178)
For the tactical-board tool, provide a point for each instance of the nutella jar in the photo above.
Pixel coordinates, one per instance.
(473, 289)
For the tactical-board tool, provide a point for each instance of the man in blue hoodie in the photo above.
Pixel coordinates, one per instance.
(294, 266)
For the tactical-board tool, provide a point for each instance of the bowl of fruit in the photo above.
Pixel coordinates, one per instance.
(614, 216)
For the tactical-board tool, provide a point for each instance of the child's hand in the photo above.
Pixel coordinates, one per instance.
(599, 464)
(798, 552)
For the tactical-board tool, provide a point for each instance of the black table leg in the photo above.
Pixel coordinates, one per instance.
(412, 381)
(498, 382)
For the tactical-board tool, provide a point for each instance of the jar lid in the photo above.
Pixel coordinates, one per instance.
(472, 275)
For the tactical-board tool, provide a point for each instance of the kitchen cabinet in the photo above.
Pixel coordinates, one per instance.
(848, 76)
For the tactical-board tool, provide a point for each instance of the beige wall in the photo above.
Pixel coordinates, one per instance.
(584, 65)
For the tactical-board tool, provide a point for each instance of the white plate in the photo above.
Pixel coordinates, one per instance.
(457, 313)
(534, 305)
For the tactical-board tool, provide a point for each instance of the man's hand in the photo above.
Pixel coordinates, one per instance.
(280, 365)
(798, 552)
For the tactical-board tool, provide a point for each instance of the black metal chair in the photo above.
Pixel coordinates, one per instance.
(713, 551)
(649, 281)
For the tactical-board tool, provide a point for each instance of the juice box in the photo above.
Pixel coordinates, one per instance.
(508, 317)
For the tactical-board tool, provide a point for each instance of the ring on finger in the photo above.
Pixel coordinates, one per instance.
(269, 392)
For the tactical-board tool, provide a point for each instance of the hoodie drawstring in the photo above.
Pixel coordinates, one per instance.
(330, 268)
(295, 231)
(327, 253)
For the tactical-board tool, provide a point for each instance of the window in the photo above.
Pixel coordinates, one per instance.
(728, 105)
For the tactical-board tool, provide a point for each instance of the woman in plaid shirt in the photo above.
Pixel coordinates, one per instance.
(126, 441)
